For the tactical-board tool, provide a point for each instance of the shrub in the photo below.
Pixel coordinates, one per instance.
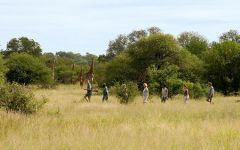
(26, 69)
(174, 86)
(198, 91)
(15, 97)
(132, 91)
(65, 75)
(157, 78)
(2, 70)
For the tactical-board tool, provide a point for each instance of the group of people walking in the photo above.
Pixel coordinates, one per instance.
(88, 95)
(164, 93)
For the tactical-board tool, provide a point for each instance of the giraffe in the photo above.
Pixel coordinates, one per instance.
(83, 77)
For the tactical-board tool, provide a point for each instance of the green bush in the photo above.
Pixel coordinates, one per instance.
(155, 88)
(15, 97)
(65, 75)
(174, 86)
(157, 78)
(132, 91)
(26, 69)
(2, 70)
(198, 91)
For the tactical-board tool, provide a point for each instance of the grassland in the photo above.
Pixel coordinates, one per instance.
(67, 123)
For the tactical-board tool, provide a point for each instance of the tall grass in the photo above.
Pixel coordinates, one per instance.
(67, 122)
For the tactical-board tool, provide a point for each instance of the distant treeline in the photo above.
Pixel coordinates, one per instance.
(24, 62)
(149, 56)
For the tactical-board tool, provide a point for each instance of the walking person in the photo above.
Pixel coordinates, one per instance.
(105, 93)
(145, 93)
(124, 94)
(185, 94)
(88, 95)
(164, 95)
(210, 93)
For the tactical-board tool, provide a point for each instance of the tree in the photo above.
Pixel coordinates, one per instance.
(66, 66)
(65, 74)
(25, 69)
(23, 45)
(136, 35)
(231, 35)
(193, 42)
(223, 66)
(102, 58)
(154, 30)
(2, 70)
(191, 67)
(159, 77)
(157, 49)
(116, 46)
(118, 69)
(50, 61)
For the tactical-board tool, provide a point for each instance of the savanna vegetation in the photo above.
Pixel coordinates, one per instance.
(149, 56)
(46, 85)
(67, 122)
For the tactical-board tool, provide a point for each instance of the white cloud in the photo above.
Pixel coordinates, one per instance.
(89, 25)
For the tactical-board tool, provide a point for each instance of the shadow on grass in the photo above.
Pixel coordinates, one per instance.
(237, 101)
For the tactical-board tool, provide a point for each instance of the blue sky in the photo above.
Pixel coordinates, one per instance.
(87, 26)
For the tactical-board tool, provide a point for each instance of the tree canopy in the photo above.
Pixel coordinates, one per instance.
(193, 42)
(23, 45)
(143, 55)
(25, 69)
(2, 69)
(223, 66)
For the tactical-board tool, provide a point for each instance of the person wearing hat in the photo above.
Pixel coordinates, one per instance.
(105, 93)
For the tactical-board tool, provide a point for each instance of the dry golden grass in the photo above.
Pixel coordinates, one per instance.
(67, 123)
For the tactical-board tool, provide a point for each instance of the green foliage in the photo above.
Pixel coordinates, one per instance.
(2, 70)
(223, 61)
(157, 60)
(193, 42)
(23, 45)
(174, 86)
(157, 49)
(66, 66)
(74, 58)
(191, 67)
(15, 97)
(198, 90)
(231, 35)
(122, 42)
(116, 46)
(157, 78)
(26, 69)
(65, 74)
(131, 90)
(141, 56)
(100, 74)
(49, 59)
(119, 69)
